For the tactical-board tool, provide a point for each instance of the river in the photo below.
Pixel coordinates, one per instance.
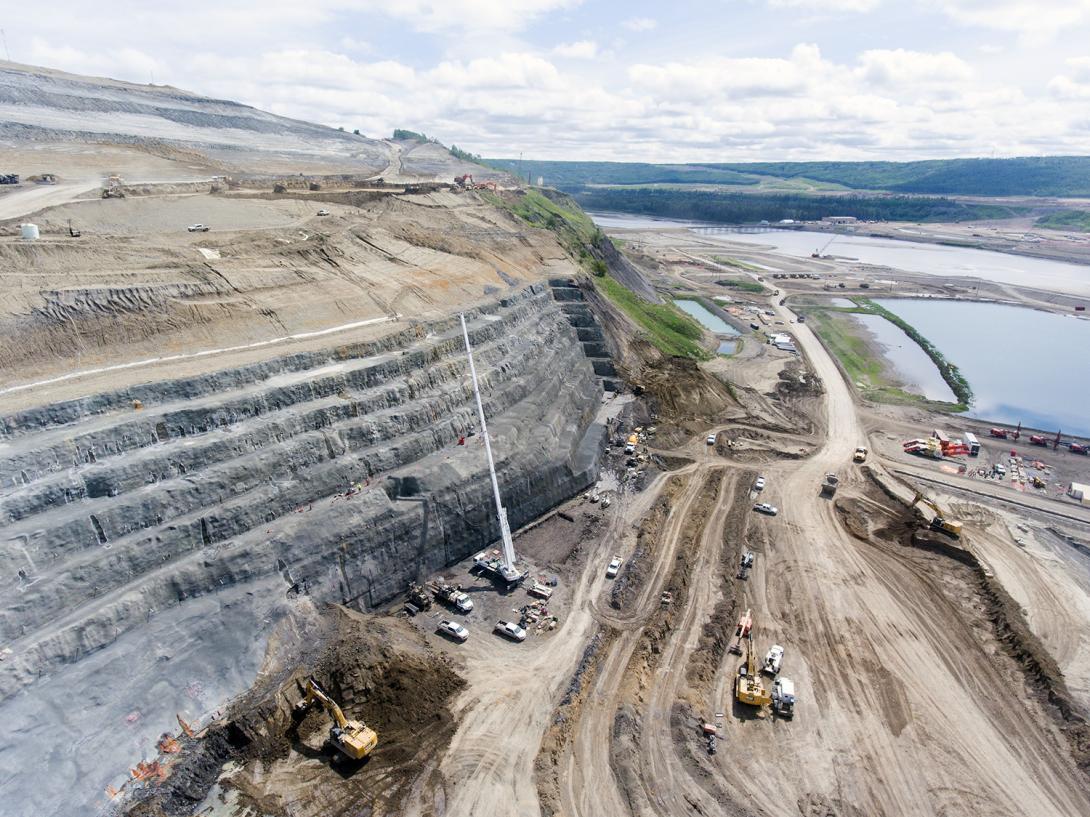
(911, 256)
(1023, 365)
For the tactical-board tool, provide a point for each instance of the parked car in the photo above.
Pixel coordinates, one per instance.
(453, 629)
(614, 567)
(323, 212)
(198, 228)
(510, 630)
(759, 485)
(711, 439)
(764, 507)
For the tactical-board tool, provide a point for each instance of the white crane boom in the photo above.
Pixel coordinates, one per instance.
(501, 512)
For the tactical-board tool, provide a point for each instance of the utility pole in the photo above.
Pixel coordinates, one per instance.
(4, 37)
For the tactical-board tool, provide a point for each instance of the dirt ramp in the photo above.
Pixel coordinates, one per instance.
(264, 758)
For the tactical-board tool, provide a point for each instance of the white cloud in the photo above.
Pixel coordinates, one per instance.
(640, 24)
(581, 50)
(469, 15)
(900, 66)
(1036, 20)
(827, 5)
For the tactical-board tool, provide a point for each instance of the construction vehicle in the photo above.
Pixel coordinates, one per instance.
(463, 182)
(774, 660)
(939, 522)
(745, 564)
(9, 178)
(419, 600)
(1037, 439)
(830, 484)
(745, 623)
(783, 697)
(72, 231)
(748, 688)
(113, 188)
(860, 454)
(452, 596)
(354, 738)
(1001, 433)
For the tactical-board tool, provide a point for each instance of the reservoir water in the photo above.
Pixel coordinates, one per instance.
(912, 256)
(916, 369)
(707, 319)
(933, 259)
(1024, 365)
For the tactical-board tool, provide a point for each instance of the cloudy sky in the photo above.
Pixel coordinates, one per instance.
(719, 80)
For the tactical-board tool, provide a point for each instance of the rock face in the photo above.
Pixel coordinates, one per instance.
(336, 473)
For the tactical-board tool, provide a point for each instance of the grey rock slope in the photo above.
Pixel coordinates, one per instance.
(147, 552)
(340, 471)
(44, 105)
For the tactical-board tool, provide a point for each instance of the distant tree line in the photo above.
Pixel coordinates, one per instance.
(750, 208)
(1026, 176)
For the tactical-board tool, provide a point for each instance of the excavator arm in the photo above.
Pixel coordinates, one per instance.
(315, 693)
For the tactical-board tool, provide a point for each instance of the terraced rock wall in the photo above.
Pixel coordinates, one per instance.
(335, 474)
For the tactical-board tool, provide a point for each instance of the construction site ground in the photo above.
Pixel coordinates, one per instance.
(933, 677)
(923, 689)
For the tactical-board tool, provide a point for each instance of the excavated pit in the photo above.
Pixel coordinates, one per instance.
(151, 549)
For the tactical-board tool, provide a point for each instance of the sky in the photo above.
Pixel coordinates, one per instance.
(720, 80)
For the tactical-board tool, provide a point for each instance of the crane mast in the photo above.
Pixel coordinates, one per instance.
(509, 571)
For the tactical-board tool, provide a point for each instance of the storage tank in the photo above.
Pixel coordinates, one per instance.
(29, 232)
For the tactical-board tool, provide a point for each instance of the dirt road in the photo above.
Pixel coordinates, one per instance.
(903, 709)
(35, 197)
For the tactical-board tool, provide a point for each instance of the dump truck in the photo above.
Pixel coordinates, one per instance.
(939, 522)
(354, 738)
(783, 697)
(830, 484)
(745, 563)
(748, 688)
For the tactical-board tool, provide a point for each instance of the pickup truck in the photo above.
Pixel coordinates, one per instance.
(511, 630)
(453, 629)
(614, 567)
(198, 228)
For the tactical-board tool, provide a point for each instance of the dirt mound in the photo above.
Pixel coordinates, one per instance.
(379, 669)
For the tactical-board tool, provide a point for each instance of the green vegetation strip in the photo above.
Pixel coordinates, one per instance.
(670, 330)
(950, 373)
(1074, 220)
(562, 216)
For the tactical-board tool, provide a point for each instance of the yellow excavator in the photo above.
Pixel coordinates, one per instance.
(354, 738)
(748, 688)
(939, 522)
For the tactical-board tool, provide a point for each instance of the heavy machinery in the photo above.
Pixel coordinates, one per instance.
(113, 188)
(748, 688)
(939, 522)
(452, 596)
(745, 623)
(419, 598)
(830, 484)
(783, 697)
(745, 564)
(860, 454)
(354, 738)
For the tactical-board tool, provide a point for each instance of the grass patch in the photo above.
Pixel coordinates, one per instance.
(734, 262)
(559, 214)
(669, 329)
(1075, 220)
